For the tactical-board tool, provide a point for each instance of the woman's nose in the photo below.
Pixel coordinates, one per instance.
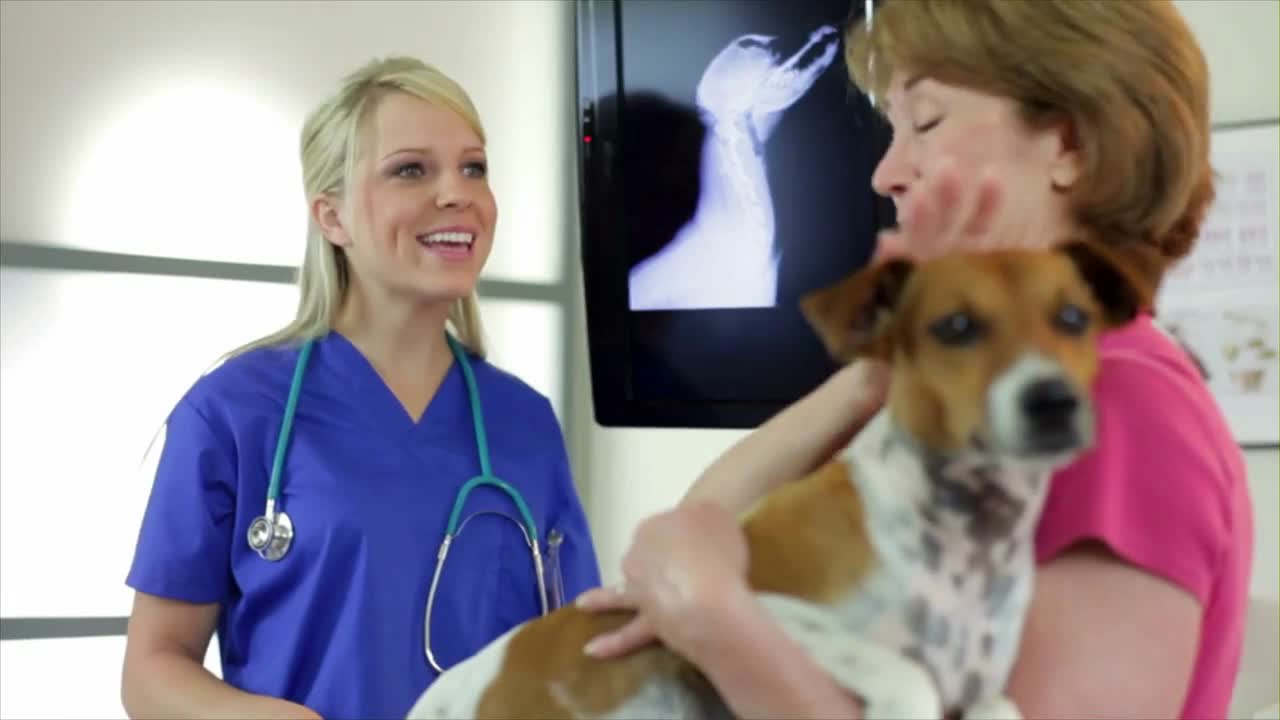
(453, 192)
(894, 173)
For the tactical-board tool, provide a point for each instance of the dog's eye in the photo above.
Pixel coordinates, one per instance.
(1071, 319)
(958, 328)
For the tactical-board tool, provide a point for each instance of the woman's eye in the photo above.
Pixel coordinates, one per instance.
(928, 125)
(957, 329)
(475, 169)
(410, 170)
(1071, 319)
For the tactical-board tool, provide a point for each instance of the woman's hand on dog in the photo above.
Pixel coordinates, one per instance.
(682, 565)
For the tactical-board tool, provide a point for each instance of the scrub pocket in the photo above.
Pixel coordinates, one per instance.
(518, 599)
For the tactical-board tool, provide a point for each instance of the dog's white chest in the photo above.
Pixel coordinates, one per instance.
(956, 561)
(966, 636)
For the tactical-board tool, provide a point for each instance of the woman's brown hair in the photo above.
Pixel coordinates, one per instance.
(1128, 74)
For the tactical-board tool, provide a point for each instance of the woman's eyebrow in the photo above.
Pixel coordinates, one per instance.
(910, 83)
(431, 151)
(420, 151)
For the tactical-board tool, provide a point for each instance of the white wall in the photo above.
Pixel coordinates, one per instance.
(1239, 41)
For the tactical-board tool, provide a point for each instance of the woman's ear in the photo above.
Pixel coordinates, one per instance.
(1065, 164)
(326, 211)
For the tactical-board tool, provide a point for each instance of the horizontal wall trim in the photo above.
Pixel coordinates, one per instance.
(40, 628)
(51, 257)
(1248, 123)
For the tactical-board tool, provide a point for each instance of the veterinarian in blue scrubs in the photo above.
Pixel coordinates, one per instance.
(372, 410)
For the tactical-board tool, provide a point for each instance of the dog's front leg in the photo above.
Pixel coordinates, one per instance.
(890, 686)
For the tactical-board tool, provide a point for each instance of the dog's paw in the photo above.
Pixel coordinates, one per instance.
(899, 690)
(996, 707)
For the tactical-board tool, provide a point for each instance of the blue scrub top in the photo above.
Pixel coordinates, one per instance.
(337, 624)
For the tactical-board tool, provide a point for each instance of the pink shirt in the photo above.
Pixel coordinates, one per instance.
(1165, 489)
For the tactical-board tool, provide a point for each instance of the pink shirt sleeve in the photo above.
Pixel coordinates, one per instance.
(1153, 487)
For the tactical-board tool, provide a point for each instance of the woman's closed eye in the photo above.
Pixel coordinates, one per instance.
(927, 125)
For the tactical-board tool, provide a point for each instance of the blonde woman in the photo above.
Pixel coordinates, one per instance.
(1145, 547)
(372, 410)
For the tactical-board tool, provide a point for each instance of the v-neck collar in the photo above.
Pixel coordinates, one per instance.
(368, 395)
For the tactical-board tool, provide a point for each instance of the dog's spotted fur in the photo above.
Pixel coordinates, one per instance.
(953, 535)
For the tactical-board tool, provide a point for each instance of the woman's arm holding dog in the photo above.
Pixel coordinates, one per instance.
(686, 574)
(796, 441)
(759, 670)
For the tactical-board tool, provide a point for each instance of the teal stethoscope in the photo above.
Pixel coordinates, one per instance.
(272, 533)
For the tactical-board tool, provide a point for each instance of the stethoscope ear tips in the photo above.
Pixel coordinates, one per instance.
(271, 540)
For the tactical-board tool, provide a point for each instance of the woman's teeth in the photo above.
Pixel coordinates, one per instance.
(447, 238)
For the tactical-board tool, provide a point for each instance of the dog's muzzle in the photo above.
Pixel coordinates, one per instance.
(1035, 411)
(1051, 417)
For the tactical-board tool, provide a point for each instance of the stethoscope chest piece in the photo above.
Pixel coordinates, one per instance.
(270, 537)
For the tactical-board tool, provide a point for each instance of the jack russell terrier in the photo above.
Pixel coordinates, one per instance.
(905, 565)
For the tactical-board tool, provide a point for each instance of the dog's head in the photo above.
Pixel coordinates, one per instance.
(994, 351)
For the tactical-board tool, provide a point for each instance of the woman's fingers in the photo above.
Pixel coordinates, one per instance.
(636, 633)
(952, 206)
(602, 598)
(872, 378)
(990, 195)
(631, 636)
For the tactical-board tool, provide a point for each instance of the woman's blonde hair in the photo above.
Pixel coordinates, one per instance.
(1128, 74)
(330, 145)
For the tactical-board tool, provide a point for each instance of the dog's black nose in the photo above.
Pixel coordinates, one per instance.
(1050, 407)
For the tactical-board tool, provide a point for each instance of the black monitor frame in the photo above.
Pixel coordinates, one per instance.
(601, 196)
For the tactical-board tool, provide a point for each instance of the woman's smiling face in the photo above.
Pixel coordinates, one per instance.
(419, 215)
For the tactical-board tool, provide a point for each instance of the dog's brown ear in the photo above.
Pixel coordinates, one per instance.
(1122, 287)
(851, 316)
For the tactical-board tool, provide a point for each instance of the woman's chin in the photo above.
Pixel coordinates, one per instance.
(445, 289)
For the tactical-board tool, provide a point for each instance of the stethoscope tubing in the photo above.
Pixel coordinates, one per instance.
(271, 534)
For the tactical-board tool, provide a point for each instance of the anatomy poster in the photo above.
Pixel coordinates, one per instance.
(1221, 301)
